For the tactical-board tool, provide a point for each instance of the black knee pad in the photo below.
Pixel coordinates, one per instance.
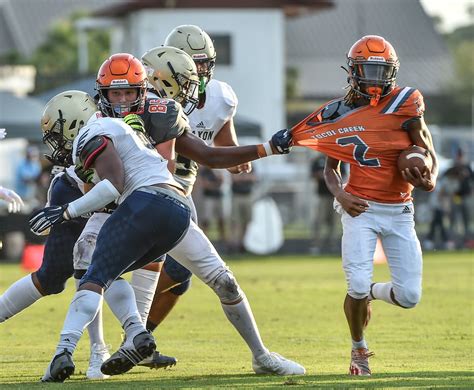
(181, 288)
(176, 271)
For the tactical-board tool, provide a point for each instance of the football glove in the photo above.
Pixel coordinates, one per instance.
(282, 141)
(42, 220)
(135, 122)
(85, 175)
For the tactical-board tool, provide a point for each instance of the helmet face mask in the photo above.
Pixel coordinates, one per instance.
(205, 69)
(173, 75)
(374, 75)
(60, 146)
(120, 109)
(121, 71)
(373, 66)
(64, 115)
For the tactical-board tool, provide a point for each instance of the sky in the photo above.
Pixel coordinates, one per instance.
(453, 12)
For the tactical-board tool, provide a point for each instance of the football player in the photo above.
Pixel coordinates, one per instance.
(150, 204)
(57, 263)
(210, 119)
(368, 128)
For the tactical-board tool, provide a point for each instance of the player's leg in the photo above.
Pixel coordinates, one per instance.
(404, 258)
(56, 267)
(82, 255)
(165, 298)
(358, 247)
(174, 281)
(122, 241)
(196, 253)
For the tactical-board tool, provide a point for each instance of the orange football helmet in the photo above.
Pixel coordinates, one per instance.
(120, 71)
(373, 66)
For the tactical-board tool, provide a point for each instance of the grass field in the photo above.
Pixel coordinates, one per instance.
(297, 302)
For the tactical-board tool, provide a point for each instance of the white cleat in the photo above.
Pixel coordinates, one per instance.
(99, 354)
(273, 363)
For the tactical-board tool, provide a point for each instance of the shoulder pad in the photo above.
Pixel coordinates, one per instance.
(406, 102)
(164, 119)
(92, 149)
(228, 94)
(334, 110)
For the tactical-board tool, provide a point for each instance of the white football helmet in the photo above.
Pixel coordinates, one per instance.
(173, 74)
(197, 43)
(63, 116)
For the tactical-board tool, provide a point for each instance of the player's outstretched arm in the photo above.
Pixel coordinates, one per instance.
(228, 137)
(196, 149)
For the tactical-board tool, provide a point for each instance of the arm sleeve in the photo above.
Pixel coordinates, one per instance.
(98, 197)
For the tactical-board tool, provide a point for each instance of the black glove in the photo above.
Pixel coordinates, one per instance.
(135, 122)
(282, 141)
(41, 220)
(85, 175)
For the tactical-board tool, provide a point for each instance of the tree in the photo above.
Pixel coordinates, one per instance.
(56, 60)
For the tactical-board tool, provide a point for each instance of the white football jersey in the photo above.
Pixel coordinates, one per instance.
(142, 164)
(219, 108)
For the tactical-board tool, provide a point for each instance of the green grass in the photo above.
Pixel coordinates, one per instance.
(297, 302)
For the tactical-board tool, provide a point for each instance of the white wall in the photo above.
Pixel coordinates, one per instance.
(257, 72)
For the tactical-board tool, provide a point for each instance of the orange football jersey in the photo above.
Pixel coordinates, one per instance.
(370, 139)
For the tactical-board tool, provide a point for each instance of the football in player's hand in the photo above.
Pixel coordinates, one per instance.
(414, 156)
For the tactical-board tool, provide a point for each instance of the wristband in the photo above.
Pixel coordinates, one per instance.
(264, 150)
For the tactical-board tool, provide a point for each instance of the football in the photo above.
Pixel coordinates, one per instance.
(414, 156)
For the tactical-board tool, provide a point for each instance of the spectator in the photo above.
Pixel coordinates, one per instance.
(242, 186)
(326, 221)
(211, 183)
(439, 201)
(27, 174)
(459, 201)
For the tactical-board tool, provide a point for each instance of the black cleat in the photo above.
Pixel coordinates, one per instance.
(129, 354)
(157, 360)
(60, 368)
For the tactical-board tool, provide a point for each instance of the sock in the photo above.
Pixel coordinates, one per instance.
(121, 300)
(359, 344)
(95, 328)
(241, 316)
(82, 310)
(382, 291)
(19, 296)
(144, 285)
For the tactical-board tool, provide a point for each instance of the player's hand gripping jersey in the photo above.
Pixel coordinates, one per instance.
(143, 165)
(369, 138)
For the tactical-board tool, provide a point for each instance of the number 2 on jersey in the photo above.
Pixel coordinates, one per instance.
(360, 150)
